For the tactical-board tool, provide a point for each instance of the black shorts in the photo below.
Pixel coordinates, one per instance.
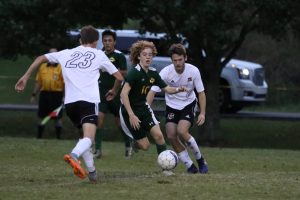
(148, 120)
(81, 112)
(187, 113)
(49, 101)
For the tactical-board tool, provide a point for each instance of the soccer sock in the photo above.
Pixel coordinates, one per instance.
(98, 139)
(127, 140)
(194, 147)
(88, 159)
(82, 146)
(185, 158)
(160, 148)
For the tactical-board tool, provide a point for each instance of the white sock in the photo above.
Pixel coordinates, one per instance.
(194, 147)
(185, 158)
(82, 146)
(88, 159)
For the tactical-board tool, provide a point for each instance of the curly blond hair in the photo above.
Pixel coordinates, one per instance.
(138, 47)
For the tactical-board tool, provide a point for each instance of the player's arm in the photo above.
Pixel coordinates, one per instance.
(174, 90)
(21, 84)
(133, 119)
(202, 105)
(150, 97)
(151, 94)
(117, 85)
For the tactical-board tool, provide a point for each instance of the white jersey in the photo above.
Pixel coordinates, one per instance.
(80, 68)
(190, 78)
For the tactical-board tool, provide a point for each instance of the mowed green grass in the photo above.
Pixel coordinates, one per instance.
(34, 169)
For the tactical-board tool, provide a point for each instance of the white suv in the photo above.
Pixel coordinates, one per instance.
(242, 82)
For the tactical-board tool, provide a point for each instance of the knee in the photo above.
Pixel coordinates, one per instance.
(144, 146)
(159, 138)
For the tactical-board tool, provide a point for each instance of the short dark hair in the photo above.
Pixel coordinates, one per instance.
(89, 34)
(109, 32)
(177, 49)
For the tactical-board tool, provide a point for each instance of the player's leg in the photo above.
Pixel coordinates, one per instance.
(127, 139)
(159, 139)
(99, 135)
(57, 101)
(179, 148)
(88, 159)
(150, 123)
(183, 132)
(43, 111)
(114, 107)
(82, 114)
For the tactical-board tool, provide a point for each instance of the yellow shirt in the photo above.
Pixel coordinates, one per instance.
(50, 78)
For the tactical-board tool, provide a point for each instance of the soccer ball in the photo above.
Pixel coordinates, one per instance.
(167, 160)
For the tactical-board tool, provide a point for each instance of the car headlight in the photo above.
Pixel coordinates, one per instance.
(244, 73)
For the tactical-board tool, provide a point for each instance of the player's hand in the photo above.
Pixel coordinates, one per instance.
(182, 89)
(134, 121)
(110, 95)
(201, 119)
(20, 85)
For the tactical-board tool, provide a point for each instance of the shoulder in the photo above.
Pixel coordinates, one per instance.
(118, 52)
(191, 68)
(152, 69)
(168, 68)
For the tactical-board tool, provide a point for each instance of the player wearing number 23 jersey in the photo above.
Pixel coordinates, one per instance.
(82, 64)
(80, 69)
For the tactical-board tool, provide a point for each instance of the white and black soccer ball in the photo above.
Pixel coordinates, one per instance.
(167, 160)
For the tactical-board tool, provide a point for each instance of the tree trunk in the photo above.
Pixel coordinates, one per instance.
(211, 131)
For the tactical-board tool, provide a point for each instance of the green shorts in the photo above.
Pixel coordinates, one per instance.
(147, 118)
(110, 106)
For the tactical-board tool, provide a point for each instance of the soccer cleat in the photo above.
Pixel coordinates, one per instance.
(192, 169)
(93, 177)
(128, 152)
(168, 172)
(203, 167)
(98, 154)
(75, 164)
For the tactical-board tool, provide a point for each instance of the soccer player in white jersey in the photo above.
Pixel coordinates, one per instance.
(80, 68)
(180, 107)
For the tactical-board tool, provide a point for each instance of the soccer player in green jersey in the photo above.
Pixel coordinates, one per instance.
(137, 117)
(110, 99)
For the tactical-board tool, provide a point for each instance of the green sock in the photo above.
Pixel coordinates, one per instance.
(98, 139)
(160, 148)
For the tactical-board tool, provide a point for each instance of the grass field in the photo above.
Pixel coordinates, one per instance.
(260, 161)
(34, 169)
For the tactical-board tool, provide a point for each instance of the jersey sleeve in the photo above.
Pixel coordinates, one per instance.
(160, 83)
(155, 88)
(131, 76)
(52, 57)
(198, 81)
(122, 64)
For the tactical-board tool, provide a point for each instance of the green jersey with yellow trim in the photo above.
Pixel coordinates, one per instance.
(106, 81)
(140, 83)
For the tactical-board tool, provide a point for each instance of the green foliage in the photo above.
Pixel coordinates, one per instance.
(32, 27)
(34, 170)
